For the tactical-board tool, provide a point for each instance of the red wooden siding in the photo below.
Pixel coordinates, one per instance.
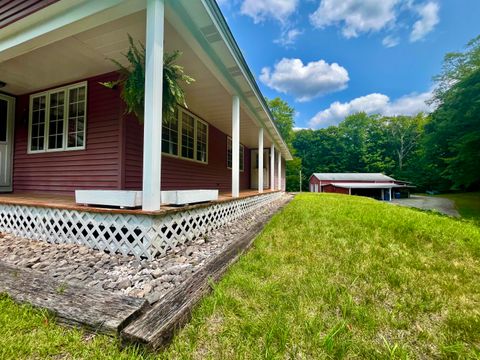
(334, 189)
(14, 10)
(97, 167)
(177, 173)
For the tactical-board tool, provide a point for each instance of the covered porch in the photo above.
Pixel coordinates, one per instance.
(67, 132)
(113, 151)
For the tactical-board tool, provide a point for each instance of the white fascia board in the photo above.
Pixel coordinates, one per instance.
(60, 20)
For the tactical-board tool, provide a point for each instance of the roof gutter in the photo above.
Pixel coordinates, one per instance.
(214, 9)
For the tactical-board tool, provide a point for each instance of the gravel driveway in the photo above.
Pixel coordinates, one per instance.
(443, 205)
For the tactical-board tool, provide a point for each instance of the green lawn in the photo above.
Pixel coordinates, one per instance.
(467, 204)
(331, 276)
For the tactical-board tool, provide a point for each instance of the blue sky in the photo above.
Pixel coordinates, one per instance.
(330, 58)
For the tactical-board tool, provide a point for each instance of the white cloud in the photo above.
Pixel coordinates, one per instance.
(260, 10)
(288, 37)
(390, 41)
(305, 82)
(372, 104)
(428, 20)
(355, 16)
(362, 16)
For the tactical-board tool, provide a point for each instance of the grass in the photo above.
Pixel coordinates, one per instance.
(467, 204)
(28, 333)
(331, 276)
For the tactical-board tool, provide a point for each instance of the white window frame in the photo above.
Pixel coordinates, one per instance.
(179, 134)
(178, 138)
(242, 150)
(66, 90)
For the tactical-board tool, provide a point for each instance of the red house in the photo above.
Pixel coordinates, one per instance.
(375, 185)
(61, 131)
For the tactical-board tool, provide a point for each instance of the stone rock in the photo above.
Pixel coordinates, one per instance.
(157, 273)
(135, 292)
(83, 250)
(147, 289)
(124, 284)
(177, 269)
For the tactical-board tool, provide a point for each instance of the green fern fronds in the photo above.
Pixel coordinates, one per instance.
(132, 81)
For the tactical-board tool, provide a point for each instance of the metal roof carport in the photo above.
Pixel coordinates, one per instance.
(365, 186)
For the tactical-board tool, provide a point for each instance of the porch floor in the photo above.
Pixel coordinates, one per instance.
(68, 202)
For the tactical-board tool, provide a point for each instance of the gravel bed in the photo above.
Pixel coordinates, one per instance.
(125, 274)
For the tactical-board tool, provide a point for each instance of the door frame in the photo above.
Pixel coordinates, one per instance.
(10, 136)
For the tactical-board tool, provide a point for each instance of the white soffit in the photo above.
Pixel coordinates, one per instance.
(59, 21)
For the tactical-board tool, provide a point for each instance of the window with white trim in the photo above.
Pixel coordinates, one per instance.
(202, 141)
(77, 102)
(188, 136)
(170, 135)
(57, 119)
(185, 136)
(229, 154)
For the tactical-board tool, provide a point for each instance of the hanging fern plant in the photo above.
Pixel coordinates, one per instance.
(132, 81)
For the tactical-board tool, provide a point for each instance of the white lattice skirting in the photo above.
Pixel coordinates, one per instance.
(144, 236)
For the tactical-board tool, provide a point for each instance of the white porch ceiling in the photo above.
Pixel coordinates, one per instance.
(86, 54)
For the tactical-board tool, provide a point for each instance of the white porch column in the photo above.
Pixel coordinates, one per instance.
(152, 143)
(279, 170)
(272, 167)
(260, 160)
(235, 146)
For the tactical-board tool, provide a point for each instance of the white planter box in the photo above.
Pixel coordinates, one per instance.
(133, 199)
(112, 198)
(183, 197)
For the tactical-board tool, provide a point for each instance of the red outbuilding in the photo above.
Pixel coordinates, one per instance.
(375, 185)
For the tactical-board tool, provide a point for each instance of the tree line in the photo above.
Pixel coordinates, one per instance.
(439, 151)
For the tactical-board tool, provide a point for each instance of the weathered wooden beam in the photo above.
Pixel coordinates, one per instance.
(157, 326)
(75, 305)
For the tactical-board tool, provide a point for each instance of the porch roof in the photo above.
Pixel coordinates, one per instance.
(70, 40)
